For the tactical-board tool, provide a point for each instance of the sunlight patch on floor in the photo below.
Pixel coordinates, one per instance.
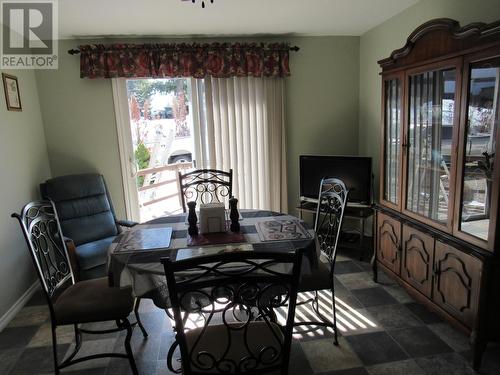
(348, 318)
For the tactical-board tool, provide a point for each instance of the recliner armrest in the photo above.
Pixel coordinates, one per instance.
(126, 223)
(73, 259)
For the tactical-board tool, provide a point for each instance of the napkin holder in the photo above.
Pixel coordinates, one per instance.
(212, 218)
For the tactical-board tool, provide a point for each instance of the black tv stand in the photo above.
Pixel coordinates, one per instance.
(352, 211)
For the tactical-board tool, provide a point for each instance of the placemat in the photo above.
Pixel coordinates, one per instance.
(146, 239)
(281, 229)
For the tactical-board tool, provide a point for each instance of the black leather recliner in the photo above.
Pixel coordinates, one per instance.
(87, 218)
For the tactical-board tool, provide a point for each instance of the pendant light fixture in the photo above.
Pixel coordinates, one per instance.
(202, 2)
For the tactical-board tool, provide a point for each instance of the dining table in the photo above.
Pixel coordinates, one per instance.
(131, 263)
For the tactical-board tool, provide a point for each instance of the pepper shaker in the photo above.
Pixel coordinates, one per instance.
(192, 219)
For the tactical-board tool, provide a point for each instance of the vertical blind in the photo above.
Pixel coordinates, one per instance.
(242, 127)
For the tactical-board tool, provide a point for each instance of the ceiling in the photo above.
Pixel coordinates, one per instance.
(106, 18)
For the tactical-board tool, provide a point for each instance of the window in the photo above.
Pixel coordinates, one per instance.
(161, 125)
(170, 125)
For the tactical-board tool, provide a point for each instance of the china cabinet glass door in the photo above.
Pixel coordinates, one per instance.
(482, 122)
(392, 140)
(431, 118)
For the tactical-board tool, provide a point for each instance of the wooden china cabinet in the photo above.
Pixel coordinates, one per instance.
(437, 231)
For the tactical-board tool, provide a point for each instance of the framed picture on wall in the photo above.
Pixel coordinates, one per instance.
(11, 90)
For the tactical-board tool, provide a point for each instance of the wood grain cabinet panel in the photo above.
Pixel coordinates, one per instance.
(418, 253)
(457, 278)
(389, 242)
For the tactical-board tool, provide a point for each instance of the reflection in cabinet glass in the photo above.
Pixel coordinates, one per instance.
(392, 139)
(431, 112)
(479, 150)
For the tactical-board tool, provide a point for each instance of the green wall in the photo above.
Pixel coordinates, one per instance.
(322, 99)
(322, 116)
(78, 115)
(24, 164)
(380, 41)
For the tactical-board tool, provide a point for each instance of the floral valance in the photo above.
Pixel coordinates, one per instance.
(220, 60)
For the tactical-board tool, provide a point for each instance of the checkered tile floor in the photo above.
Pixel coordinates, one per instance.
(383, 331)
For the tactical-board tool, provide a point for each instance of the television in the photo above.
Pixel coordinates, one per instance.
(355, 171)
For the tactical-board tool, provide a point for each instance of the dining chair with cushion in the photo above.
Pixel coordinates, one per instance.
(88, 221)
(332, 201)
(205, 186)
(70, 302)
(235, 295)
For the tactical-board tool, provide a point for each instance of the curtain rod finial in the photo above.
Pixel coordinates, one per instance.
(294, 48)
(74, 51)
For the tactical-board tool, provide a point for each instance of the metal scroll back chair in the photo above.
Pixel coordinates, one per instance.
(332, 201)
(71, 303)
(205, 186)
(87, 218)
(235, 295)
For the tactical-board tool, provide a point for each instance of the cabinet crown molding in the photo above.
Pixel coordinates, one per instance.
(444, 36)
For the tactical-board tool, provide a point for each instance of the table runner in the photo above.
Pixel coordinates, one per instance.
(144, 272)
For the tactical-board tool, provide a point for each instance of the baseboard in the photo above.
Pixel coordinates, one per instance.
(16, 307)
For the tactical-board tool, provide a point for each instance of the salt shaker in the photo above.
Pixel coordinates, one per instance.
(234, 215)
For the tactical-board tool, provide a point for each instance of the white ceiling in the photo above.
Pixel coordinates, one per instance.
(103, 18)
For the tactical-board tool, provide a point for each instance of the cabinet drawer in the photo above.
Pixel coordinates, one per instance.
(389, 242)
(418, 253)
(457, 278)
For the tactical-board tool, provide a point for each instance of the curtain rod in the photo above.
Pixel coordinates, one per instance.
(77, 51)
